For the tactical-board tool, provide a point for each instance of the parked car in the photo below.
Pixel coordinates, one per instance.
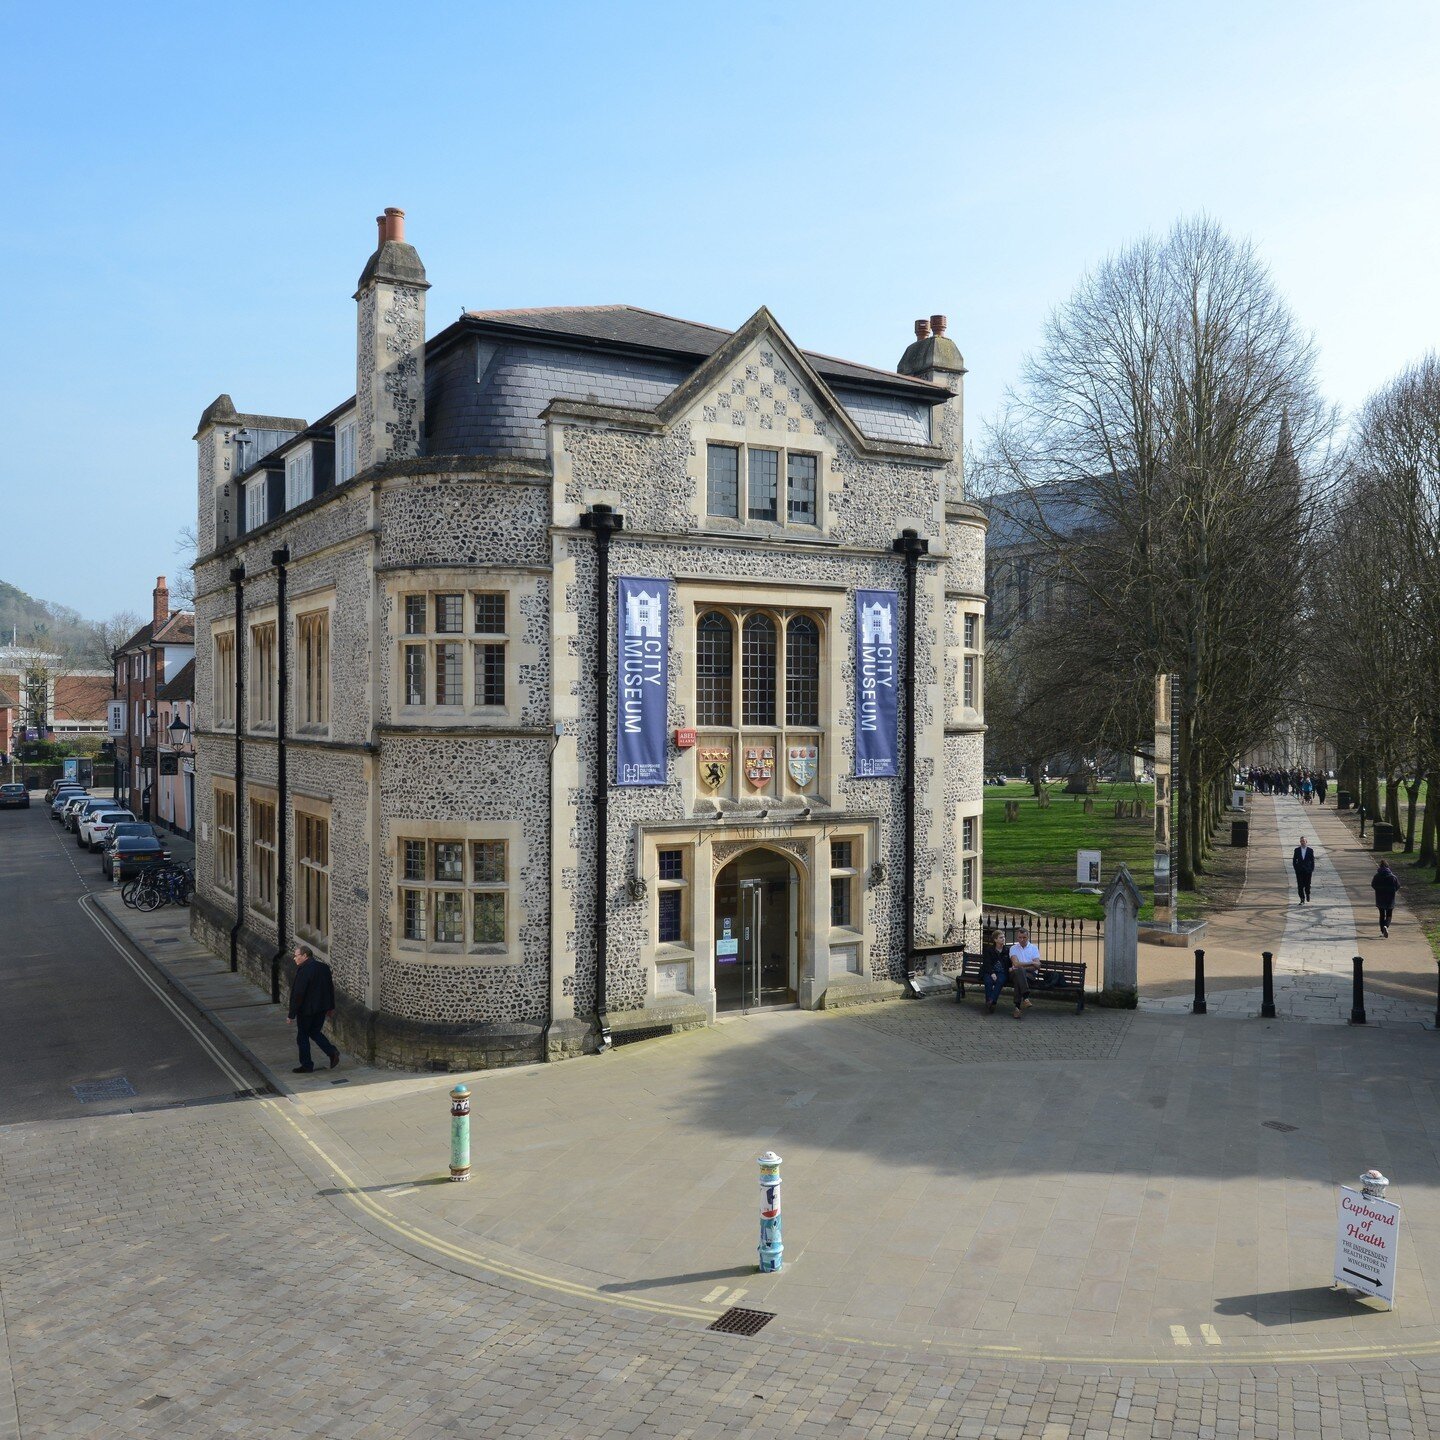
(76, 813)
(62, 795)
(127, 855)
(56, 786)
(67, 805)
(94, 826)
(14, 796)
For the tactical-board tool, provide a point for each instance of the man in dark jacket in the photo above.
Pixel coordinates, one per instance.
(1385, 883)
(1303, 863)
(312, 998)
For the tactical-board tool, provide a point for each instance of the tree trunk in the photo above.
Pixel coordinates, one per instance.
(1412, 795)
(1036, 767)
(1429, 852)
(1392, 801)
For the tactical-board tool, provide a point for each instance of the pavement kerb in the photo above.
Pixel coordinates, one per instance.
(97, 906)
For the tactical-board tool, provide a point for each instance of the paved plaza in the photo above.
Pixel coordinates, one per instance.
(1118, 1223)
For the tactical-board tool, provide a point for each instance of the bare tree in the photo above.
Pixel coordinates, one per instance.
(182, 585)
(1163, 420)
(110, 634)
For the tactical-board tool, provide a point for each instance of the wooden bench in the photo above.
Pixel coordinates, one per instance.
(1056, 980)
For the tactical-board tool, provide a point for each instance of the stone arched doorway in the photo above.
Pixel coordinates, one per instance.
(757, 927)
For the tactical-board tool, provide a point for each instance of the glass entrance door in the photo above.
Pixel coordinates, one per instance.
(755, 943)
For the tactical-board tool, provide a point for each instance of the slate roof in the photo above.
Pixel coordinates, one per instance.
(139, 639)
(182, 687)
(1028, 517)
(6, 703)
(633, 328)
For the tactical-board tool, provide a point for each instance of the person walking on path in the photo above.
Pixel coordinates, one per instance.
(1385, 883)
(1303, 863)
(312, 999)
(1024, 964)
(1321, 785)
(994, 969)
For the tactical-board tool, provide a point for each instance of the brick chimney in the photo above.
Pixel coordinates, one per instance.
(160, 597)
(935, 357)
(390, 348)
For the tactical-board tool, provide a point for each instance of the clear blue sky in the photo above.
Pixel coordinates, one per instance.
(189, 195)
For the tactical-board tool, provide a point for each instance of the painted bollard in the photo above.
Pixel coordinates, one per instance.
(772, 1245)
(460, 1133)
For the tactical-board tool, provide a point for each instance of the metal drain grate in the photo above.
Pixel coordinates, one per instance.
(646, 1032)
(1279, 1125)
(88, 1092)
(739, 1321)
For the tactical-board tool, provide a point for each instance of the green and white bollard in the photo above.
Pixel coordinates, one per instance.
(460, 1133)
(772, 1245)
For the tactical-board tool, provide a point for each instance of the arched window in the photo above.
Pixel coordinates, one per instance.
(714, 669)
(802, 671)
(757, 671)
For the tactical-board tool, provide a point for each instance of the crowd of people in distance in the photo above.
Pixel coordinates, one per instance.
(1308, 785)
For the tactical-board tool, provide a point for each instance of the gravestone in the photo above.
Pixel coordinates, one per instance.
(1122, 933)
(1012, 809)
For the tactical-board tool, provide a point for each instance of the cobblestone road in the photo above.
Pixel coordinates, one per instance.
(179, 1273)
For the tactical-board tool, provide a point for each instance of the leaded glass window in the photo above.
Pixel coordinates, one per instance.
(801, 473)
(714, 669)
(723, 480)
(757, 666)
(764, 484)
(802, 671)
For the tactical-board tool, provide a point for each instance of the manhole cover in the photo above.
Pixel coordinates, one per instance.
(739, 1321)
(1279, 1125)
(116, 1088)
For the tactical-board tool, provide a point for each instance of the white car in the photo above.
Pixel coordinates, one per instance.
(70, 807)
(94, 828)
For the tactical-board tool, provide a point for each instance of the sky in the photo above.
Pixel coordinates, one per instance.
(189, 197)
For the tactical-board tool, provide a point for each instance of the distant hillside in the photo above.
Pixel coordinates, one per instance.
(46, 626)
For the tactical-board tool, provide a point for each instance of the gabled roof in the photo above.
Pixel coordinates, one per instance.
(630, 327)
(182, 687)
(139, 639)
(179, 629)
(6, 703)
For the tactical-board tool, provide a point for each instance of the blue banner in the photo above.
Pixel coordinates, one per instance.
(643, 682)
(877, 614)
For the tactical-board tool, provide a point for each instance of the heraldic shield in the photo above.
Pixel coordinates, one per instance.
(802, 761)
(713, 762)
(759, 765)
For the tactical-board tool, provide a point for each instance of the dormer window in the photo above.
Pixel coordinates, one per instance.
(255, 506)
(299, 476)
(745, 481)
(344, 452)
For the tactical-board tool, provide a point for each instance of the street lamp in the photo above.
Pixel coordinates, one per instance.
(179, 733)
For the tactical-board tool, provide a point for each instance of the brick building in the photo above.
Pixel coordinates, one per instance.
(553, 685)
(157, 652)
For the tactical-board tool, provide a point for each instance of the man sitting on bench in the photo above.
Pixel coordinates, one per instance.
(1024, 967)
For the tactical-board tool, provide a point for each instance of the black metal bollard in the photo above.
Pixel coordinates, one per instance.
(1267, 986)
(1357, 994)
(1198, 1008)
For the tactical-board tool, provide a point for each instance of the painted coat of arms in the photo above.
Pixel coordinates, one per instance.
(802, 761)
(714, 765)
(759, 765)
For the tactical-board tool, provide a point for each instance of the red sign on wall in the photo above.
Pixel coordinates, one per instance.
(685, 738)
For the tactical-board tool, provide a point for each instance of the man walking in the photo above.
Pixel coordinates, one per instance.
(1303, 863)
(1024, 965)
(312, 998)
(1385, 883)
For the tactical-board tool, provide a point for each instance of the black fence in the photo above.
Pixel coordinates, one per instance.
(1059, 938)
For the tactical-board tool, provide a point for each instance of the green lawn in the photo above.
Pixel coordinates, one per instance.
(1030, 862)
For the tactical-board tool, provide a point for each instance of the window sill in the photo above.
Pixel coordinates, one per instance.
(669, 951)
(844, 935)
(456, 957)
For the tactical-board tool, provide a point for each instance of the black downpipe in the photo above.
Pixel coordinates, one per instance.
(237, 578)
(604, 521)
(115, 741)
(280, 559)
(912, 547)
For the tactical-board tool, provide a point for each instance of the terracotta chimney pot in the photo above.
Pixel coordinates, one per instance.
(394, 224)
(937, 324)
(379, 231)
(922, 329)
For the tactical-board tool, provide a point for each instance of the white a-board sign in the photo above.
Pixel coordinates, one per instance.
(1365, 1241)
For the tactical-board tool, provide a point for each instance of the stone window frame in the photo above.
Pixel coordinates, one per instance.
(464, 953)
(855, 876)
(312, 876)
(968, 856)
(261, 853)
(306, 609)
(256, 514)
(258, 684)
(972, 662)
(782, 522)
(223, 790)
(222, 675)
(468, 584)
(653, 951)
(781, 604)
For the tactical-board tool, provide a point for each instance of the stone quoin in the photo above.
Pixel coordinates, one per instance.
(397, 611)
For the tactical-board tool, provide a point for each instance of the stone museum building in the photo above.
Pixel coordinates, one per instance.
(588, 674)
